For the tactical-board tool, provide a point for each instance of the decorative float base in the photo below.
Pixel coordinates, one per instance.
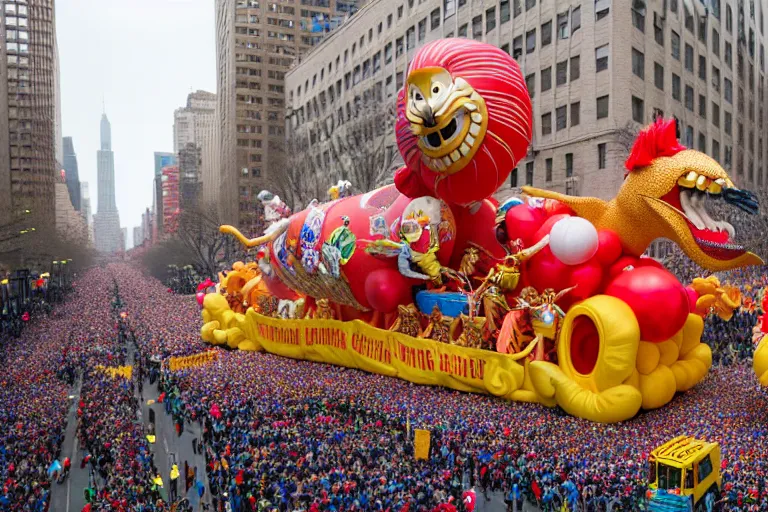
(625, 375)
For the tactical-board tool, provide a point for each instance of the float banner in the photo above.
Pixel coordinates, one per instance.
(355, 344)
(182, 363)
(421, 440)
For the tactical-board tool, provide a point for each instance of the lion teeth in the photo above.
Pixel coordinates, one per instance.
(469, 139)
(464, 149)
(447, 161)
(455, 155)
(470, 106)
(474, 129)
(476, 117)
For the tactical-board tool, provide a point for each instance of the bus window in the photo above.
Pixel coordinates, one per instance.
(689, 479)
(670, 477)
(652, 472)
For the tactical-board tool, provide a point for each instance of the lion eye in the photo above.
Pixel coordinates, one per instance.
(435, 89)
(417, 97)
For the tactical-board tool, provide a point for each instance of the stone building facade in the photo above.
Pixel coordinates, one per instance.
(597, 71)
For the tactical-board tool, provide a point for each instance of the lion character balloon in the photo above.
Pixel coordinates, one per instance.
(464, 121)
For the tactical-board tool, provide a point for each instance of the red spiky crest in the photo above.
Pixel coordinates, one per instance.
(658, 139)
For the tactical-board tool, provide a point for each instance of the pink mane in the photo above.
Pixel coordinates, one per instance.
(658, 139)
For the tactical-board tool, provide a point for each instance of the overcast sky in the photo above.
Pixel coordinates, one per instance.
(142, 57)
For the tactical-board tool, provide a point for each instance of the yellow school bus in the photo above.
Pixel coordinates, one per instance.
(685, 475)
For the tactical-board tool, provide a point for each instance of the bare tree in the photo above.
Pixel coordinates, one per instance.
(198, 232)
(625, 136)
(354, 143)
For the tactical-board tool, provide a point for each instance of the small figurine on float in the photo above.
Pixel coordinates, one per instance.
(342, 188)
(408, 321)
(439, 326)
(274, 208)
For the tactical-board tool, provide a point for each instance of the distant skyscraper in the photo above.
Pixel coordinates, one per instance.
(73, 177)
(162, 160)
(124, 238)
(107, 220)
(85, 208)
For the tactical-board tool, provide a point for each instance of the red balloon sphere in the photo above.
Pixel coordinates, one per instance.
(609, 247)
(620, 264)
(586, 278)
(546, 271)
(385, 289)
(522, 222)
(657, 298)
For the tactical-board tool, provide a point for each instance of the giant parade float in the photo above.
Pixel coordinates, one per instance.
(545, 298)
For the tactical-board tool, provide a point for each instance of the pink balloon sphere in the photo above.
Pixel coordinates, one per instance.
(657, 298)
(586, 278)
(573, 240)
(522, 222)
(544, 271)
(200, 296)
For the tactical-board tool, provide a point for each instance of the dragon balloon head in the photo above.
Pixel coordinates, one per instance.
(464, 121)
(676, 183)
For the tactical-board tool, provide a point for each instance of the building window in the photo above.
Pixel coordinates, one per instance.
(675, 87)
(689, 136)
(529, 173)
(504, 13)
(449, 8)
(602, 8)
(569, 165)
(715, 150)
(715, 114)
(702, 68)
(658, 76)
(689, 57)
(689, 97)
(477, 27)
(561, 115)
(575, 19)
(638, 14)
(575, 68)
(490, 19)
(434, 19)
(546, 34)
(715, 78)
(513, 178)
(601, 58)
(563, 31)
(517, 48)
(638, 63)
(728, 90)
(601, 154)
(658, 29)
(517, 8)
(728, 55)
(575, 113)
(602, 107)
(410, 38)
(422, 30)
(715, 42)
(530, 83)
(463, 30)
(702, 142)
(548, 163)
(546, 123)
(638, 109)
(702, 106)
(688, 19)
(530, 41)
(530, 4)
(562, 73)
(546, 79)
(728, 19)
(728, 123)
(675, 43)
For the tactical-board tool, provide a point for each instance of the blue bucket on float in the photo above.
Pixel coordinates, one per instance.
(509, 203)
(450, 303)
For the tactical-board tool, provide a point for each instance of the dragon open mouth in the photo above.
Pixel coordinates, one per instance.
(689, 197)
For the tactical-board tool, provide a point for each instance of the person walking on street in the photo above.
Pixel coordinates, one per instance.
(174, 482)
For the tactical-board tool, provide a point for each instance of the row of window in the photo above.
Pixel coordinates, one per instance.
(568, 164)
(561, 115)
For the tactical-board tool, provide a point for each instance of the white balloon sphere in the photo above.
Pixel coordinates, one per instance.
(573, 240)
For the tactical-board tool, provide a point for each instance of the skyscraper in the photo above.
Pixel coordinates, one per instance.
(85, 208)
(107, 220)
(73, 177)
(162, 160)
(256, 43)
(28, 66)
